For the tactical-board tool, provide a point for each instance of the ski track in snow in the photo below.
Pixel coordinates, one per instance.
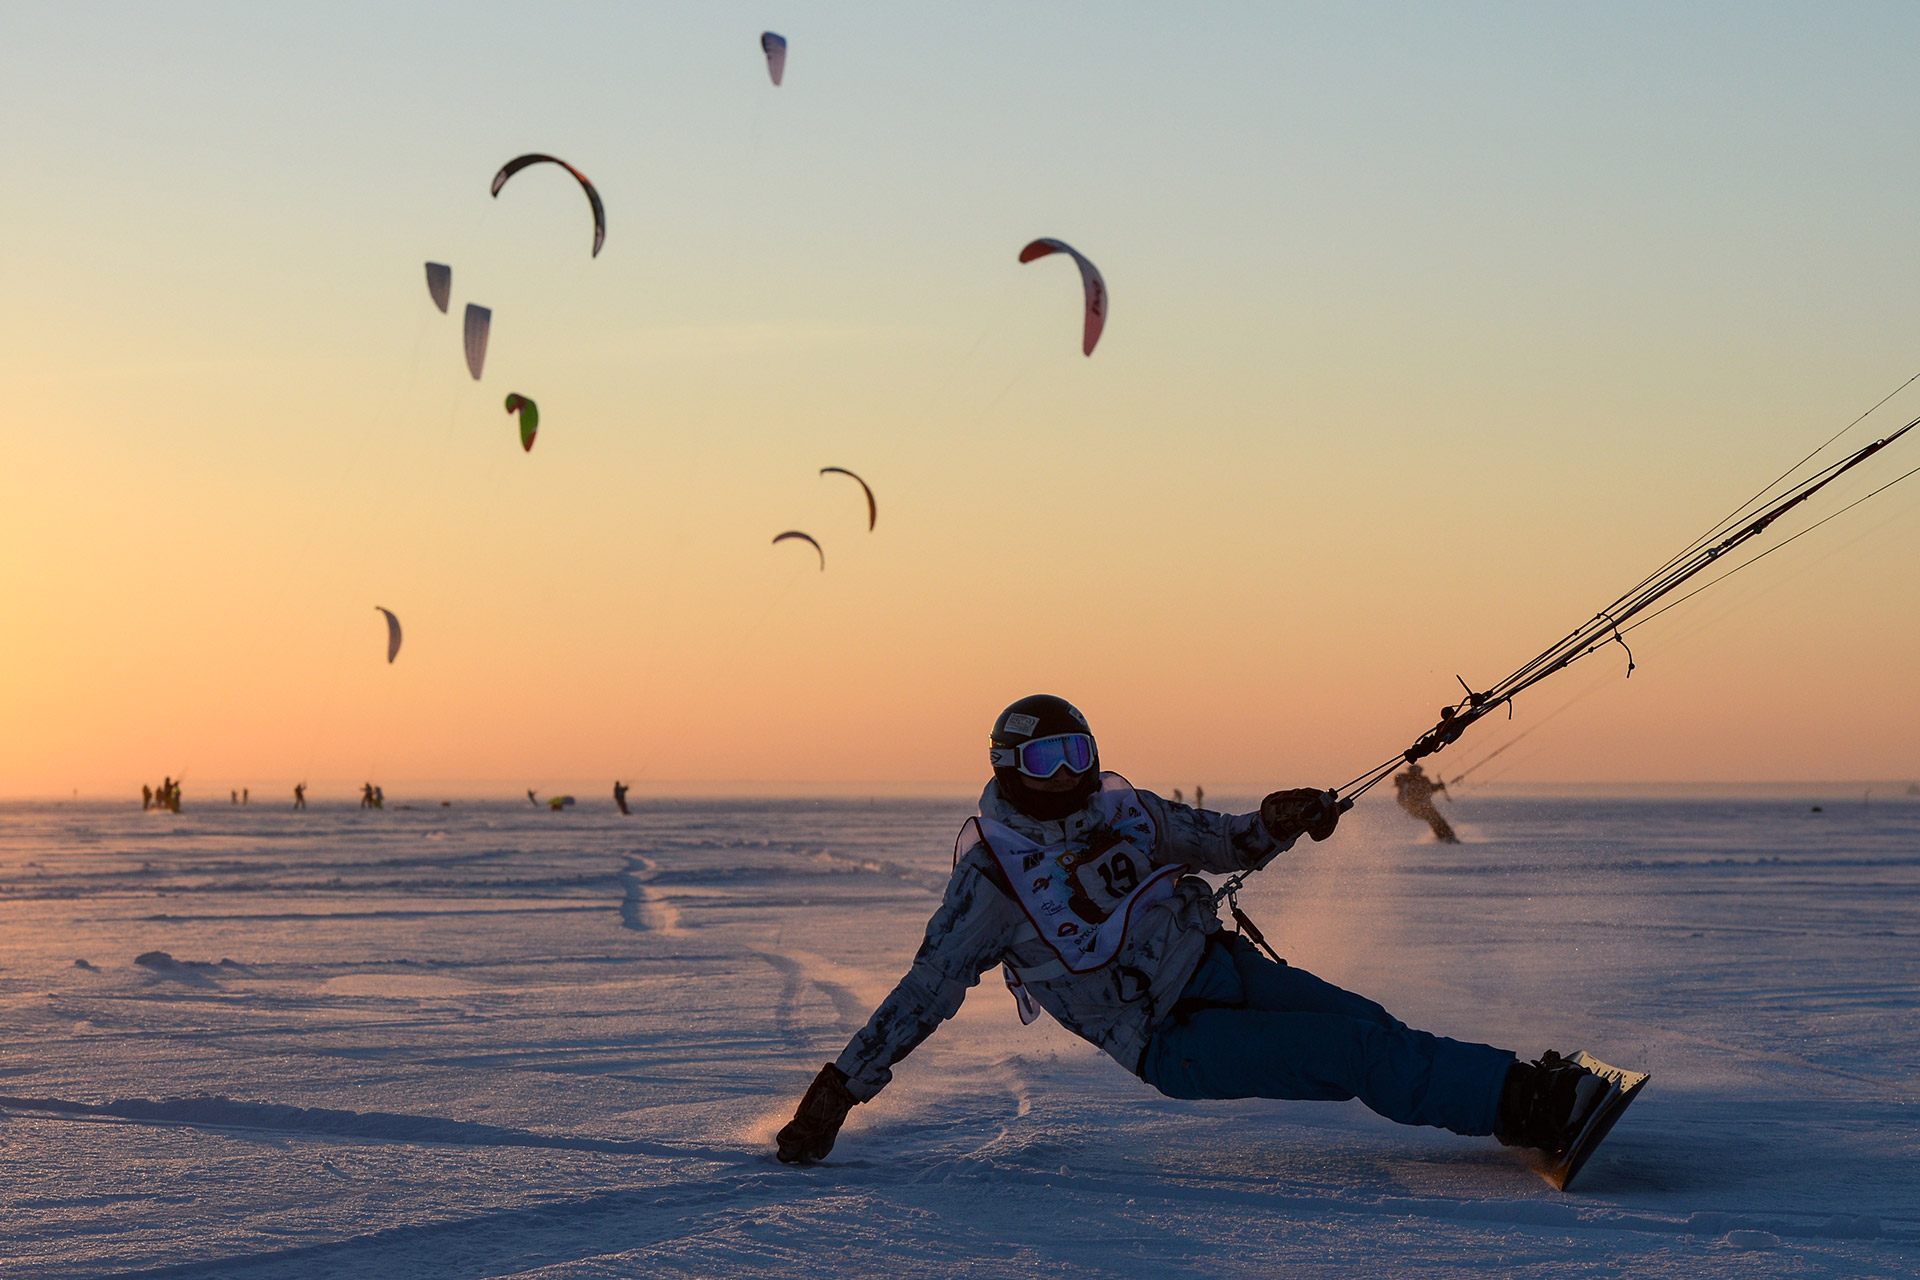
(491, 1041)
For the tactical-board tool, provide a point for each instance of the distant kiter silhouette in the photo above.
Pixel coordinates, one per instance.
(620, 795)
(1415, 795)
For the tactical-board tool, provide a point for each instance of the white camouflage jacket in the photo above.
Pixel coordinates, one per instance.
(979, 925)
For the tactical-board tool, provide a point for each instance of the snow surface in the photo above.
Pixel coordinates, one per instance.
(492, 1040)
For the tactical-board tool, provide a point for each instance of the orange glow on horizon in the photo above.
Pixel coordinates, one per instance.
(1391, 391)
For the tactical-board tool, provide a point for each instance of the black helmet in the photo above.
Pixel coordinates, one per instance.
(1041, 715)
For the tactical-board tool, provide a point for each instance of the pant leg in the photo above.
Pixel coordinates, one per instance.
(1300, 1037)
(1441, 830)
(1285, 988)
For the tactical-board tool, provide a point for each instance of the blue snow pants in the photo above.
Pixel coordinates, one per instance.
(1246, 1027)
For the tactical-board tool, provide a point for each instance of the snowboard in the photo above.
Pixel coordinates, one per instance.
(1564, 1168)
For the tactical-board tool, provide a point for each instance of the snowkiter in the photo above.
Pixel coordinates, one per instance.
(1414, 792)
(620, 795)
(1083, 888)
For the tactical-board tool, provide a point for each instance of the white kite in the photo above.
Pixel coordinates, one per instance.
(479, 324)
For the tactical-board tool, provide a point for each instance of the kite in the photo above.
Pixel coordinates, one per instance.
(807, 538)
(1089, 276)
(393, 633)
(518, 163)
(775, 47)
(440, 284)
(479, 323)
(529, 419)
(873, 511)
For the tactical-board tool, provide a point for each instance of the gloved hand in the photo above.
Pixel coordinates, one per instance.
(1288, 814)
(816, 1121)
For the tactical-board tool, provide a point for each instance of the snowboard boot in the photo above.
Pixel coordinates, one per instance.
(1547, 1103)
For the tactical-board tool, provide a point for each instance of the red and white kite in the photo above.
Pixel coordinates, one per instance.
(1089, 276)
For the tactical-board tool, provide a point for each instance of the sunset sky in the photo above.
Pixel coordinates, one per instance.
(1432, 330)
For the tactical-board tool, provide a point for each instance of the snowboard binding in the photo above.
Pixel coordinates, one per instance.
(1564, 1107)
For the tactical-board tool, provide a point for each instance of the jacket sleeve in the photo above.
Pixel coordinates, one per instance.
(1222, 843)
(968, 935)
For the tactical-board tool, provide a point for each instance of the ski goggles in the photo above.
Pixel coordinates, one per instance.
(1044, 757)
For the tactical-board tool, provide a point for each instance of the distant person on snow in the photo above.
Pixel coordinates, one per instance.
(532, 799)
(379, 798)
(1084, 889)
(300, 795)
(1414, 793)
(146, 797)
(620, 795)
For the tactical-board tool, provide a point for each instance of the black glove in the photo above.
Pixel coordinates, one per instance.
(817, 1120)
(1288, 814)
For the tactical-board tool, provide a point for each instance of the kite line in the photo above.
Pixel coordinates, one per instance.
(1636, 606)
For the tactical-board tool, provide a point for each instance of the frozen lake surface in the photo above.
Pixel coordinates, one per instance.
(492, 1040)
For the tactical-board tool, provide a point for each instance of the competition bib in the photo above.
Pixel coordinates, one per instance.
(1081, 894)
